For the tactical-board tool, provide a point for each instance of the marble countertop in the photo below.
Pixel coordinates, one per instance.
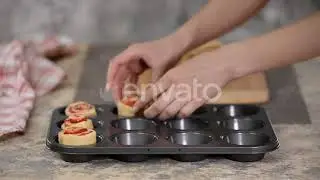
(26, 157)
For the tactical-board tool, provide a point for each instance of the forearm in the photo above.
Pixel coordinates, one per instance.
(215, 19)
(291, 44)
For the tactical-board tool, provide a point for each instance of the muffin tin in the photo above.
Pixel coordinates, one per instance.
(237, 132)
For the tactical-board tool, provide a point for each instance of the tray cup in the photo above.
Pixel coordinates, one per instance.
(246, 139)
(187, 124)
(133, 124)
(189, 139)
(245, 123)
(238, 110)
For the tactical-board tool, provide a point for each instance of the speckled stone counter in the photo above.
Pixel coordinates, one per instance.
(26, 157)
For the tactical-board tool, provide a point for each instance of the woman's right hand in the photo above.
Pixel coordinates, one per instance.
(159, 56)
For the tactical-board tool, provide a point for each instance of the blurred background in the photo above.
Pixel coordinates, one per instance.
(123, 21)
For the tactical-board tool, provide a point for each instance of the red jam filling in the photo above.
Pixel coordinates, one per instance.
(129, 101)
(75, 120)
(79, 107)
(84, 133)
(75, 130)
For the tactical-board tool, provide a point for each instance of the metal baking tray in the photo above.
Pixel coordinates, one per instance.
(238, 132)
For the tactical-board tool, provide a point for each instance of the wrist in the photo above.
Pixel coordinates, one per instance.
(233, 61)
(236, 61)
(181, 41)
(249, 57)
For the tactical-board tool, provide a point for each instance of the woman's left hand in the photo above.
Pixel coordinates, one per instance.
(186, 87)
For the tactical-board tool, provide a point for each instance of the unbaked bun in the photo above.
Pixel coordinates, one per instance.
(76, 136)
(125, 106)
(81, 108)
(77, 121)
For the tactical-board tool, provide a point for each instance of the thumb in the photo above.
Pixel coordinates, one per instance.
(156, 74)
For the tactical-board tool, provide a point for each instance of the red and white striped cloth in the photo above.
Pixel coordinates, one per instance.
(24, 75)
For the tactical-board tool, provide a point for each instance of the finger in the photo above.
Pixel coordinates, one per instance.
(119, 82)
(156, 74)
(71, 49)
(160, 104)
(190, 107)
(118, 61)
(172, 109)
(136, 67)
(116, 95)
(108, 76)
(152, 91)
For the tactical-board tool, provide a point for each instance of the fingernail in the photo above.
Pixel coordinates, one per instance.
(148, 115)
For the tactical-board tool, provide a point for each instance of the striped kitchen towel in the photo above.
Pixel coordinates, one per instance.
(24, 75)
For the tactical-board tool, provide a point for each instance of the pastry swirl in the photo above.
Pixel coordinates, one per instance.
(81, 108)
(125, 106)
(77, 121)
(77, 136)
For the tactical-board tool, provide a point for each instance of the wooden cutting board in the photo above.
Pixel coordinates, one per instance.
(251, 89)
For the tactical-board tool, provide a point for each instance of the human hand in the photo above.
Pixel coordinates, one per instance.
(188, 86)
(158, 55)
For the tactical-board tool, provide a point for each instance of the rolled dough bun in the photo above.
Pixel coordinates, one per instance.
(125, 106)
(76, 136)
(77, 121)
(81, 108)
